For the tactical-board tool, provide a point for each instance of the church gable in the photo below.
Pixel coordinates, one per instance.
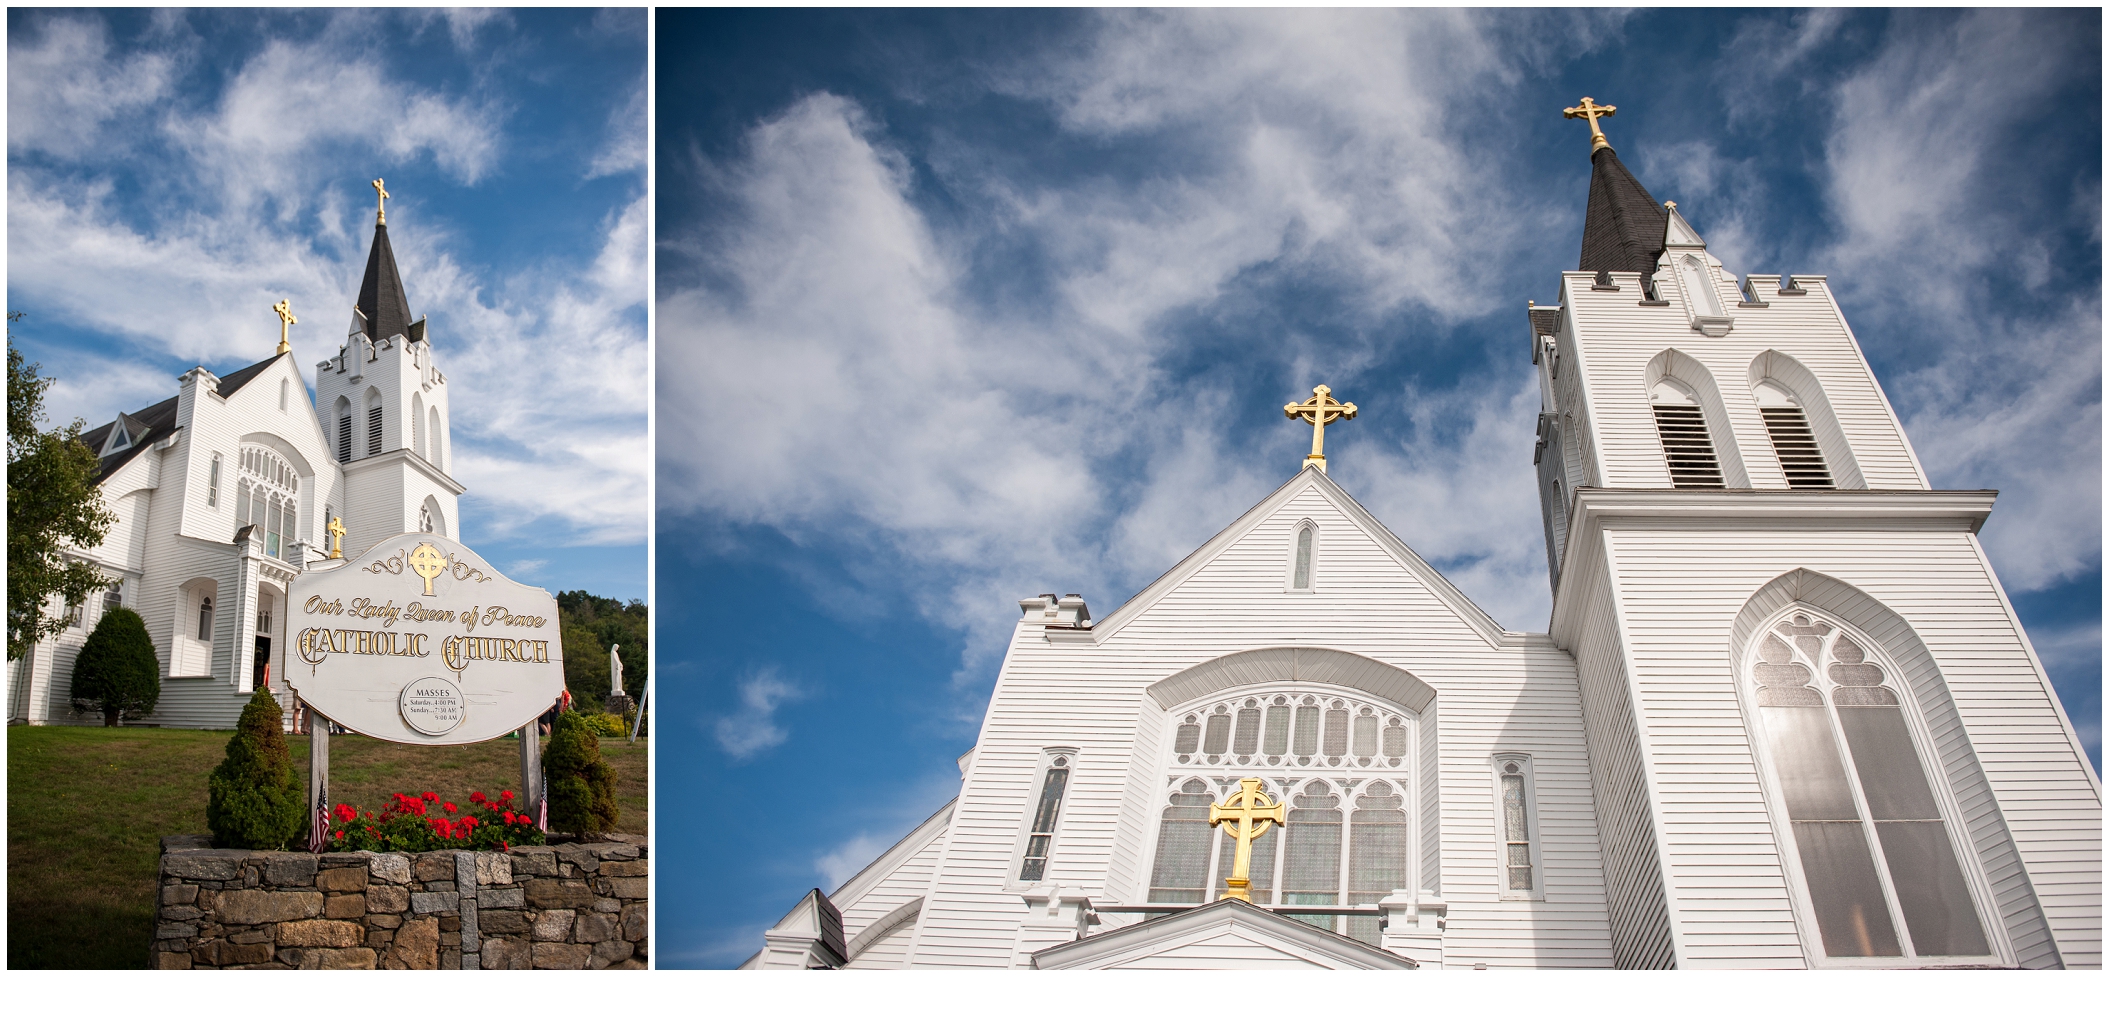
(1308, 551)
(1225, 934)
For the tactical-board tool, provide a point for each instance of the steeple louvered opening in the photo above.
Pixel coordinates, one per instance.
(1793, 440)
(1685, 442)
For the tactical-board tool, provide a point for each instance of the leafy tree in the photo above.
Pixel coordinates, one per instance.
(610, 622)
(581, 785)
(117, 671)
(255, 802)
(52, 502)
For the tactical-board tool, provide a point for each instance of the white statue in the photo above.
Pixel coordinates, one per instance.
(615, 668)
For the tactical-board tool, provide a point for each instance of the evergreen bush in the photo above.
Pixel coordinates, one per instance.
(117, 672)
(255, 802)
(581, 786)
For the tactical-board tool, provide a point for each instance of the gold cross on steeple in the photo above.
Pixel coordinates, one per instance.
(1591, 111)
(1318, 411)
(1245, 818)
(284, 308)
(381, 201)
(336, 528)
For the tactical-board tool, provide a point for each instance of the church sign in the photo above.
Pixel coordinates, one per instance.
(421, 641)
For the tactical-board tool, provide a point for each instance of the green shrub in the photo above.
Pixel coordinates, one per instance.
(255, 802)
(581, 785)
(117, 671)
(608, 724)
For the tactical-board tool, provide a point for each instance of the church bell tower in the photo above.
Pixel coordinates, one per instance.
(1806, 694)
(382, 402)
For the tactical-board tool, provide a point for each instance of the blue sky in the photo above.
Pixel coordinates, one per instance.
(173, 174)
(961, 307)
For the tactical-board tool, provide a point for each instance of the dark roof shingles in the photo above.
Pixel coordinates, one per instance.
(1625, 226)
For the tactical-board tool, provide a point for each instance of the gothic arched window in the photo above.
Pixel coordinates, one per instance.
(1339, 760)
(1877, 859)
(1793, 441)
(1685, 441)
(269, 495)
(1301, 558)
(374, 417)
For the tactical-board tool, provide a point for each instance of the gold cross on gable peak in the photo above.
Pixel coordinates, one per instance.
(336, 528)
(1591, 111)
(284, 308)
(381, 195)
(1245, 818)
(1318, 411)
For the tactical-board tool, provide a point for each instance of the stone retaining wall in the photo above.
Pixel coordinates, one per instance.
(578, 905)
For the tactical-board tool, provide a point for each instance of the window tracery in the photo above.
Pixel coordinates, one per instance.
(1879, 864)
(1341, 763)
(268, 496)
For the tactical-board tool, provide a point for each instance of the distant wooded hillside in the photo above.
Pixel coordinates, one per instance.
(591, 624)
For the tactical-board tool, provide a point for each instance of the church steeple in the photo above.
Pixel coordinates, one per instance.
(1625, 226)
(386, 309)
(1624, 229)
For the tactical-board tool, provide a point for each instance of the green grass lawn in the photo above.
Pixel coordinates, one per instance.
(87, 806)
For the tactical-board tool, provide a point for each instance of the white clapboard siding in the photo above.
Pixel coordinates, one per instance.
(1639, 917)
(1618, 337)
(1679, 584)
(1496, 692)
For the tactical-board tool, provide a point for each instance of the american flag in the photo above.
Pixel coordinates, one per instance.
(319, 830)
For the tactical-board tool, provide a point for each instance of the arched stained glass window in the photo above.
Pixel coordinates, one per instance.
(1311, 866)
(1376, 855)
(1873, 845)
(1180, 874)
(1337, 759)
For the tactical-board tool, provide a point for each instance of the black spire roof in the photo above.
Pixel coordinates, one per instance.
(1625, 227)
(381, 295)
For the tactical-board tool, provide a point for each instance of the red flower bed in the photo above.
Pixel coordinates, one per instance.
(407, 824)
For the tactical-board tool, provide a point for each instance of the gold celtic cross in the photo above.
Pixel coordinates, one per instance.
(428, 563)
(1591, 111)
(336, 528)
(284, 308)
(1318, 411)
(381, 201)
(1245, 818)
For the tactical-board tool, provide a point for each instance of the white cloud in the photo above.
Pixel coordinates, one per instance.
(752, 727)
(250, 206)
(843, 861)
(2005, 391)
(839, 372)
(627, 144)
(64, 86)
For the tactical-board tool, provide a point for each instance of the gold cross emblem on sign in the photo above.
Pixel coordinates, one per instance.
(428, 563)
(336, 528)
(1592, 112)
(1318, 411)
(381, 202)
(1245, 818)
(284, 308)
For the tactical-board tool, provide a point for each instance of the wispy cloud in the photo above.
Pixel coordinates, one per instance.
(843, 861)
(752, 727)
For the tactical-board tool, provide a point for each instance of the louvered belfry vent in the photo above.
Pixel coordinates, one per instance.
(1686, 445)
(1796, 445)
(373, 432)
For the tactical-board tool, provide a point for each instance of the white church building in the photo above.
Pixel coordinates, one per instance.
(1784, 715)
(226, 491)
